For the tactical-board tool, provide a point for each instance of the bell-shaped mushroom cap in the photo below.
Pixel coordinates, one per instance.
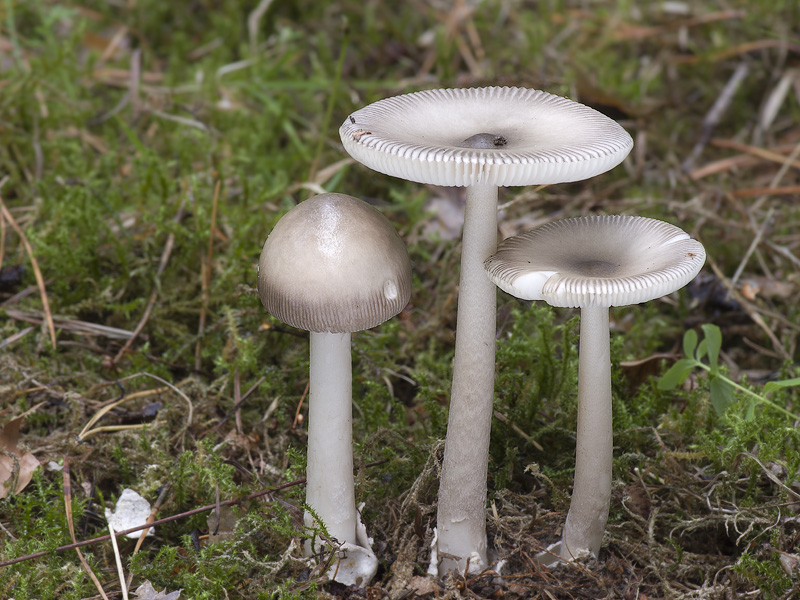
(596, 261)
(495, 135)
(334, 264)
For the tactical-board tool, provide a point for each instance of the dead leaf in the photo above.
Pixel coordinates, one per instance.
(16, 468)
(223, 528)
(146, 591)
(423, 585)
(637, 501)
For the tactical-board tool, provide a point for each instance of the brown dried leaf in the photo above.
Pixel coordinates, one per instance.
(16, 467)
(223, 528)
(423, 585)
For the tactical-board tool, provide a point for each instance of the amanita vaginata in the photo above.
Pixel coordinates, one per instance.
(594, 263)
(333, 265)
(479, 138)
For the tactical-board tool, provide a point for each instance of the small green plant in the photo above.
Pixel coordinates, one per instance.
(721, 387)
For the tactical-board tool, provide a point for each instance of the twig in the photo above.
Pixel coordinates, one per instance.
(787, 162)
(36, 271)
(162, 495)
(78, 327)
(118, 560)
(236, 406)
(2, 229)
(298, 418)
(182, 515)
(205, 276)
(133, 86)
(170, 386)
(753, 245)
(785, 252)
(237, 400)
(150, 303)
(787, 190)
(88, 431)
(762, 153)
(504, 419)
(748, 308)
(13, 338)
(771, 475)
(714, 116)
(71, 526)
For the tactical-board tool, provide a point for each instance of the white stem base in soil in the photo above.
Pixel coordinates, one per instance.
(329, 470)
(461, 518)
(591, 492)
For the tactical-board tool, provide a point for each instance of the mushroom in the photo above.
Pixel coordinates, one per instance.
(334, 265)
(480, 138)
(594, 263)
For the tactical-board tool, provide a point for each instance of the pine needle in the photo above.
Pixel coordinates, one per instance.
(36, 271)
(205, 276)
(68, 510)
(118, 561)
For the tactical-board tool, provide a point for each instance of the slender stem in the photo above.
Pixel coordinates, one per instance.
(750, 393)
(591, 493)
(329, 470)
(461, 518)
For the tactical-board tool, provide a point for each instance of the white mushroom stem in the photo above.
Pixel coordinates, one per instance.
(329, 470)
(461, 518)
(591, 493)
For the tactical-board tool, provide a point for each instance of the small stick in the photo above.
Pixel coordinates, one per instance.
(762, 153)
(749, 309)
(133, 86)
(298, 418)
(714, 116)
(2, 229)
(36, 271)
(119, 562)
(788, 161)
(205, 276)
(237, 400)
(170, 386)
(236, 406)
(786, 190)
(13, 338)
(156, 507)
(501, 417)
(182, 515)
(68, 510)
(151, 302)
(753, 245)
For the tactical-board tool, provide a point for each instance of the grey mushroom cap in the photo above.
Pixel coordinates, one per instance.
(596, 261)
(334, 264)
(498, 136)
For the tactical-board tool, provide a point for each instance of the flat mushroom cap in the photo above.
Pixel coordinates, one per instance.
(596, 261)
(498, 136)
(334, 264)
